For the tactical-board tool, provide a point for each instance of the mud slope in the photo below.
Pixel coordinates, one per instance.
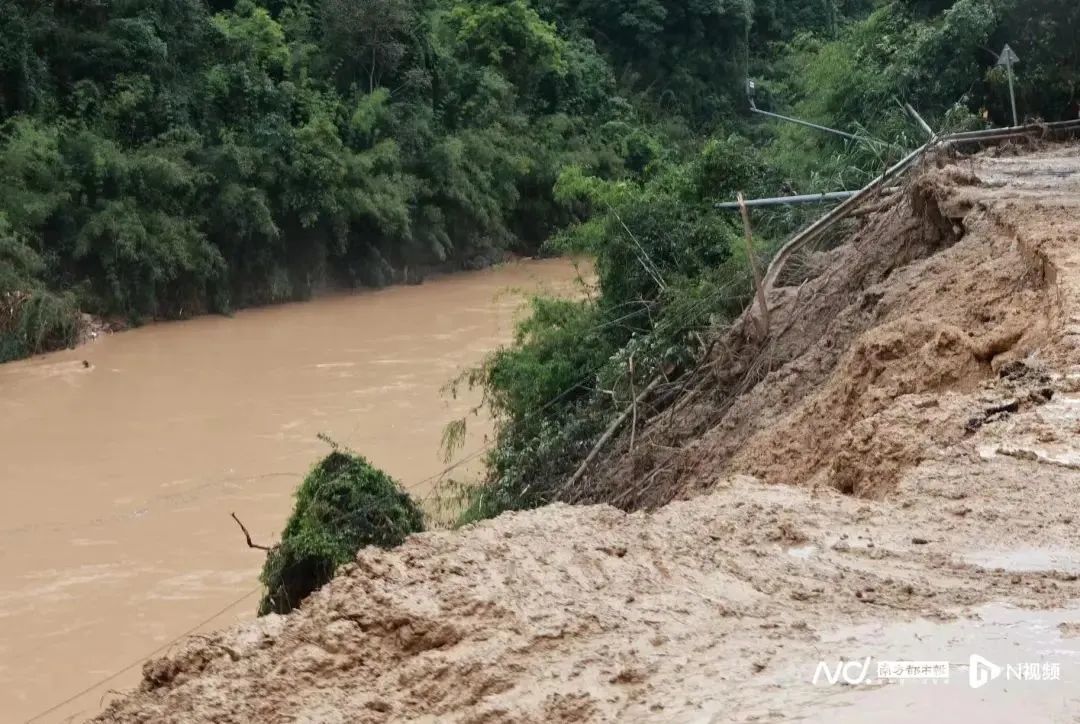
(921, 399)
(934, 296)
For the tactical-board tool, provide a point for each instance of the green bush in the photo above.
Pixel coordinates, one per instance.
(38, 322)
(343, 504)
(32, 320)
(669, 265)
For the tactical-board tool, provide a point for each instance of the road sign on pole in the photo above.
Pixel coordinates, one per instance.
(1007, 58)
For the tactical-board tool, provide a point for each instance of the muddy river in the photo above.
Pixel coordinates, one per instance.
(118, 475)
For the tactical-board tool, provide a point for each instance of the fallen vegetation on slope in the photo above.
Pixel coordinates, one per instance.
(931, 293)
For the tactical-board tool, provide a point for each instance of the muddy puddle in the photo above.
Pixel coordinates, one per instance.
(119, 475)
(1027, 560)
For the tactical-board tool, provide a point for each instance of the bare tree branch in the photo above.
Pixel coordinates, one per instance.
(247, 536)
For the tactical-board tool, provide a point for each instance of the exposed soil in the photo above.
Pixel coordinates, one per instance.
(877, 347)
(893, 472)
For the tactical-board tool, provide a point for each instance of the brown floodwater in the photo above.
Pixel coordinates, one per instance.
(117, 479)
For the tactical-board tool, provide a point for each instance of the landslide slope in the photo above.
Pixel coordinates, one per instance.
(894, 471)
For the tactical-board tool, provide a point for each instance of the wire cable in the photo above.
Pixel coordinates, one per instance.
(141, 659)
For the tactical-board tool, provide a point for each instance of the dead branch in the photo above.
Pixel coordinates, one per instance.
(247, 536)
(611, 431)
(873, 208)
(752, 258)
(233, 653)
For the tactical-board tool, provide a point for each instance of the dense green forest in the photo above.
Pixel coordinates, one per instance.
(163, 158)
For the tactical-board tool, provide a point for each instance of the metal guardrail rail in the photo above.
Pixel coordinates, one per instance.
(1015, 130)
(821, 198)
(788, 200)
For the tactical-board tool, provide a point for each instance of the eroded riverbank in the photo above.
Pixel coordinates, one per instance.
(119, 477)
(898, 489)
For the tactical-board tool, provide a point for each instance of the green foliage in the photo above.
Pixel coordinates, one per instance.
(940, 57)
(171, 157)
(509, 36)
(32, 320)
(343, 505)
(668, 267)
(555, 349)
(36, 322)
(681, 57)
(253, 37)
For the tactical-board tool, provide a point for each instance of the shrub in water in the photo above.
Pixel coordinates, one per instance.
(343, 504)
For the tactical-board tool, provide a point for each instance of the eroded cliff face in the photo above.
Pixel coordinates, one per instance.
(935, 293)
(894, 473)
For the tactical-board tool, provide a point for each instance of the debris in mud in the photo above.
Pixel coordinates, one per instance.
(1009, 406)
(1037, 456)
(994, 413)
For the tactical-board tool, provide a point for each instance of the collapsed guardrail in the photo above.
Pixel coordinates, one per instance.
(849, 204)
